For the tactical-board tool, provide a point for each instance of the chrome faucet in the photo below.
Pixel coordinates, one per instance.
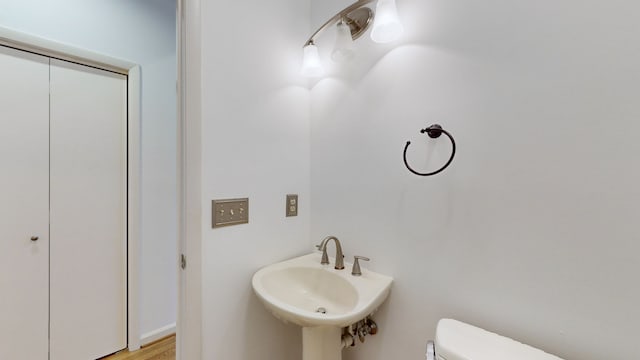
(325, 257)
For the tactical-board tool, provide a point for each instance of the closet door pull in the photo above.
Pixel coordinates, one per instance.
(34, 238)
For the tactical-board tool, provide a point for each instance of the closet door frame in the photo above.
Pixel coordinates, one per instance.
(20, 41)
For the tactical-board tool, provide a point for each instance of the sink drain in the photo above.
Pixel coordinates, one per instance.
(321, 310)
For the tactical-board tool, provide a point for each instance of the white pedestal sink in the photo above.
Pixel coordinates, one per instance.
(320, 299)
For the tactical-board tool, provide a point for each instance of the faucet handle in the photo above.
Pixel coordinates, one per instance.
(355, 271)
(322, 247)
(325, 257)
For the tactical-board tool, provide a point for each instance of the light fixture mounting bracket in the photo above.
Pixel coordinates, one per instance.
(357, 16)
(358, 21)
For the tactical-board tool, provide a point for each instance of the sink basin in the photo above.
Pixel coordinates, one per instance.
(304, 292)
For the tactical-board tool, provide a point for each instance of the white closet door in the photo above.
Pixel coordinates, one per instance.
(88, 212)
(24, 205)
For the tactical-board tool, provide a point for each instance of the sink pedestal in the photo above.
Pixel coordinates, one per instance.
(321, 343)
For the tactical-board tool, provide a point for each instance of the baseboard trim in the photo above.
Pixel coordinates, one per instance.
(157, 334)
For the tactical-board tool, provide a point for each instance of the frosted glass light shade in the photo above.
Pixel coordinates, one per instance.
(386, 25)
(343, 49)
(311, 65)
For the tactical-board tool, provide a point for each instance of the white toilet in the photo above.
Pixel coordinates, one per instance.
(456, 340)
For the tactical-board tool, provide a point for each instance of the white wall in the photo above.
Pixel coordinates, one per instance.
(142, 32)
(532, 232)
(255, 143)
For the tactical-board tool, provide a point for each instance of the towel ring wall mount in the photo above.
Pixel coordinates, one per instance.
(434, 131)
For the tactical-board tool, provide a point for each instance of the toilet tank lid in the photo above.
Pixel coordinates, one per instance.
(456, 340)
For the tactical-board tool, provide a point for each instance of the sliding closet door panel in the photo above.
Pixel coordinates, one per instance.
(88, 212)
(24, 205)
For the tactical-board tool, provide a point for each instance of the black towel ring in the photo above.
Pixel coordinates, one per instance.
(434, 131)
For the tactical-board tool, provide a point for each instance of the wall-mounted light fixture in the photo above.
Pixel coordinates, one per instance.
(351, 23)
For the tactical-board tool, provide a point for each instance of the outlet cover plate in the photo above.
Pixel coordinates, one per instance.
(292, 205)
(227, 212)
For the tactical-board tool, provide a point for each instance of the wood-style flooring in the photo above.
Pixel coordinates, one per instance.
(163, 349)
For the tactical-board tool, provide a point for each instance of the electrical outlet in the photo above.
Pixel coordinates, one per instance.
(230, 212)
(292, 205)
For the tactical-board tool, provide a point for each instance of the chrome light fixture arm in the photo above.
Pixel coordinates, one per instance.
(357, 16)
(352, 22)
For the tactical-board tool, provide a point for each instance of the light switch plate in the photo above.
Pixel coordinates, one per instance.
(230, 212)
(292, 205)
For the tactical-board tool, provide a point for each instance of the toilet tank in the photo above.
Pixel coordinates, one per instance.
(456, 340)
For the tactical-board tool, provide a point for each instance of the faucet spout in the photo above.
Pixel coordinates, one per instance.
(339, 255)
